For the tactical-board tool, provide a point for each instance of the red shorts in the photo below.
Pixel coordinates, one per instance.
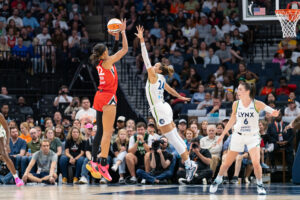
(102, 98)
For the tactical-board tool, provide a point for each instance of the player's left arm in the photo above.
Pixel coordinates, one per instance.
(259, 105)
(5, 126)
(174, 93)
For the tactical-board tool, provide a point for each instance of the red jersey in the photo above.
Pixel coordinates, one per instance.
(108, 78)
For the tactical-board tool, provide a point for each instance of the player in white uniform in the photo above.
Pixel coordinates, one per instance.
(245, 118)
(5, 150)
(161, 111)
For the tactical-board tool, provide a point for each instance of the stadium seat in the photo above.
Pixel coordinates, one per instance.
(255, 67)
(282, 98)
(187, 107)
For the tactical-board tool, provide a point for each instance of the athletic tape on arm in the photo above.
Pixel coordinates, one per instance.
(268, 109)
(145, 56)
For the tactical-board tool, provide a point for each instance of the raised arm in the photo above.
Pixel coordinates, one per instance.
(174, 93)
(151, 73)
(116, 43)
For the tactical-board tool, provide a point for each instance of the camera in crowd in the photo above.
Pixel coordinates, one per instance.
(195, 143)
(195, 146)
(156, 144)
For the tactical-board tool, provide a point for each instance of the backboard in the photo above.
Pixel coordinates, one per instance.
(257, 11)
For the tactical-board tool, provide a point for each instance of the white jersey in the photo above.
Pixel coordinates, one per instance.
(155, 92)
(247, 119)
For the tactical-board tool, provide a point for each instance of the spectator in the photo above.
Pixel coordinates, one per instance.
(130, 131)
(282, 140)
(59, 133)
(292, 110)
(220, 74)
(293, 97)
(74, 107)
(155, 31)
(203, 159)
(74, 39)
(209, 5)
(203, 50)
(224, 53)
(46, 161)
(11, 38)
(196, 59)
(25, 135)
(86, 114)
(2, 27)
(198, 96)
(270, 98)
(24, 108)
(49, 123)
(210, 142)
(63, 96)
(39, 131)
(62, 24)
(20, 51)
(130, 123)
(57, 118)
(220, 128)
(203, 28)
(229, 97)
(44, 36)
(195, 129)
(161, 164)
(32, 147)
(151, 130)
(176, 6)
(267, 141)
(182, 126)
(219, 91)
(203, 128)
(120, 125)
(279, 58)
(296, 70)
(55, 143)
(283, 89)
(268, 88)
(139, 145)
(120, 147)
(206, 103)
(188, 30)
(16, 18)
(4, 93)
(74, 154)
(176, 58)
(28, 20)
(15, 4)
(189, 134)
(213, 38)
(191, 6)
(17, 147)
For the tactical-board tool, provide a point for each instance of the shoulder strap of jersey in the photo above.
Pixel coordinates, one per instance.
(237, 105)
(254, 101)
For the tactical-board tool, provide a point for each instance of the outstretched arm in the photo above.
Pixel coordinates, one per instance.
(174, 93)
(150, 70)
(116, 43)
(262, 106)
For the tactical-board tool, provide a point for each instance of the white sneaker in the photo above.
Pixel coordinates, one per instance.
(182, 181)
(143, 181)
(103, 181)
(261, 190)
(114, 167)
(83, 180)
(190, 171)
(214, 187)
(247, 180)
(133, 180)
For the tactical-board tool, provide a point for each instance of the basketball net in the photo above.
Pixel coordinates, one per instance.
(288, 19)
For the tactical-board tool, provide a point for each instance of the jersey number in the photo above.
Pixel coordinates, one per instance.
(246, 121)
(161, 85)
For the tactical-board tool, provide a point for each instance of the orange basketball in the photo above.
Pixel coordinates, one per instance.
(113, 25)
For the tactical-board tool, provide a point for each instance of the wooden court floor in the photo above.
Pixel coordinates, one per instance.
(155, 192)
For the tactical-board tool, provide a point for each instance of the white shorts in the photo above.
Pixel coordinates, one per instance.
(2, 132)
(238, 142)
(162, 113)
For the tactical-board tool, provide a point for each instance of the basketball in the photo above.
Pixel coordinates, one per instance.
(113, 25)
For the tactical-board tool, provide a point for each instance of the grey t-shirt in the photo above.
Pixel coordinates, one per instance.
(44, 161)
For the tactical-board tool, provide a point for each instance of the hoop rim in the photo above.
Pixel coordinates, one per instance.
(287, 11)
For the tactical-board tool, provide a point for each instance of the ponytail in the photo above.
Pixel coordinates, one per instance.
(97, 52)
(167, 70)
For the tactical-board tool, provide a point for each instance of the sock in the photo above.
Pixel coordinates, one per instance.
(219, 179)
(187, 163)
(15, 176)
(103, 161)
(259, 181)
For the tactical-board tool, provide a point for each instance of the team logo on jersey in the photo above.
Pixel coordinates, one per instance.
(245, 114)
(161, 121)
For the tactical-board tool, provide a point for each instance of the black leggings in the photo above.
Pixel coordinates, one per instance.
(98, 136)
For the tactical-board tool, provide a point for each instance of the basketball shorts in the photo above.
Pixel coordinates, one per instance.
(102, 99)
(238, 141)
(2, 132)
(163, 114)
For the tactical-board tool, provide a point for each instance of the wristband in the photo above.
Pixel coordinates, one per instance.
(122, 31)
(268, 109)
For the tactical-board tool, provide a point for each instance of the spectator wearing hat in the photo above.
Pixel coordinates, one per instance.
(182, 126)
(120, 125)
(291, 110)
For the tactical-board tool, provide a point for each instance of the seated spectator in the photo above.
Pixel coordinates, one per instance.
(270, 98)
(195, 129)
(296, 70)
(196, 59)
(119, 148)
(16, 18)
(224, 53)
(17, 147)
(29, 20)
(203, 28)
(293, 97)
(213, 38)
(210, 142)
(206, 103)
(291, 110)
(282, 140)
(55, 143)
(191, 6)
(268, 88)
(155, 31)
(25, 135)
(266, 140)
(23, 107)
(219, 91)
(5, 111)
(49, 123)
(182, 126)
(203, 128)
(188, 30)
(283, 89)
(211, 58)
(44, 36)
(198, 97)
(216, 106)
(220, 73)
(86, 113)
(229, 97)
(176, 58)
(4, 93)
(63, 96)
(139, 145)
(202, 157)
(74, 154)
(120, 125)
(20, 51)
(59, 133)
(189, 135)
(33, 146)
(74, 39)
(62, 24)
(279, 58)
(130, 123)
(57, 118)
(151, 130)
(46, 161)
(161, 164)
(74, 107)
(220, 128)
(15, 4)
(203, 50)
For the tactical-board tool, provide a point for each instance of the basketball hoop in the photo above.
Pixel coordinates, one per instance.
(288, 19)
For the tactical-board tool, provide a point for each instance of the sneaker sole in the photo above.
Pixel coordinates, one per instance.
(193, 174)
(95, 174)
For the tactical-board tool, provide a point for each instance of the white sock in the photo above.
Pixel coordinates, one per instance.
(187, 163)
(219, 179)
(15, 176)
(259, 181)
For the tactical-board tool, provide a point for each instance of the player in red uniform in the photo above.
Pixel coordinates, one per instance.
(105, 103)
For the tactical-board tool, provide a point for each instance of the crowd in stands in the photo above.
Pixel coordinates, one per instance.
(207, 46)
(43, 36)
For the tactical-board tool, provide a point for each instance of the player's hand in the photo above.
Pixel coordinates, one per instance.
(123, 26)
(140, 31)
(275, 113)
(184, 98)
